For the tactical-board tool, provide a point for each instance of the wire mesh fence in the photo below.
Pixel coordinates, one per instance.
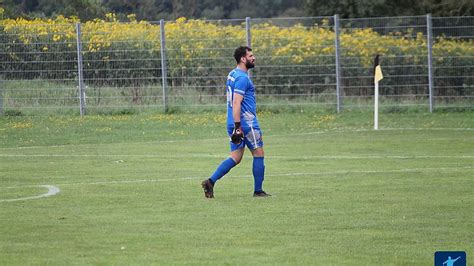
(123, 70)
(402, 43)
(295, 61)
(36, 72)
(199, 57)
(326, 62)
(453, 71)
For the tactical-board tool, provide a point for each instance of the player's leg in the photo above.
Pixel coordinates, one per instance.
(225, 166)
(236, 154)
(258, 170)
(254, 142)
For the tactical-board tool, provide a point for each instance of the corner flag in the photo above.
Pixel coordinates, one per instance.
(378, 70)
(377, 77)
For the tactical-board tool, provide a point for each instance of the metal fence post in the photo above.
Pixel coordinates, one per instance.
(430, 59)
(163, 65)
(249, 38)
(338, 72)
(1, 98)
(247, 30)
(82, 96)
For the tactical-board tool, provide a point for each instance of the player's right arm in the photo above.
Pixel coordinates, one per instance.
(237, 106)
(240, 87)
(237, 134)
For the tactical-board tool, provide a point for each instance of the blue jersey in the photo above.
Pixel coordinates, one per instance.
(238, 81)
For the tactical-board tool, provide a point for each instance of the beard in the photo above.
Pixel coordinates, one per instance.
(249, 65)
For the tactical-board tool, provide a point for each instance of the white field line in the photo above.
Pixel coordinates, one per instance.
(52, 190)
(197, 155)
(405, 170)
(193, 140)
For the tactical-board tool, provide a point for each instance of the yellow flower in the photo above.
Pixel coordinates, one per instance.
(190, 39)
(20, 125)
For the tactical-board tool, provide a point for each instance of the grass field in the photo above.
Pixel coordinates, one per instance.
(130, 192)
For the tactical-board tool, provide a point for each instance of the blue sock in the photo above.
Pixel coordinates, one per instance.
(258, 173)
(222, 169)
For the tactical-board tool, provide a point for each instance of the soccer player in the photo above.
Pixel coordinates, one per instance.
(242, 124)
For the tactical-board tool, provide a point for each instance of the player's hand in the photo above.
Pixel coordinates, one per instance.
(237, 134)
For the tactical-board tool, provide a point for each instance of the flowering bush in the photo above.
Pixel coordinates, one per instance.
(199, 52)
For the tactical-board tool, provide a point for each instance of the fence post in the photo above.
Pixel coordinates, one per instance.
(249, 38)
(164, 74)
(1, 98)
(429, 42)
(82, 95)
(338, 72)
(247, 30)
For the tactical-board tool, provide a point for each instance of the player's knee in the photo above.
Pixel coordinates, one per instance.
(258, 152)
(236, 159)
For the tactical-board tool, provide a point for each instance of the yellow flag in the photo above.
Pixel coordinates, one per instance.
(378, 74)
(378, 70)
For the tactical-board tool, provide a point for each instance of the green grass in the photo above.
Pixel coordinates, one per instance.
(343, 194)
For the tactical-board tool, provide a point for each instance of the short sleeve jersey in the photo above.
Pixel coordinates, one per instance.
(238, 81)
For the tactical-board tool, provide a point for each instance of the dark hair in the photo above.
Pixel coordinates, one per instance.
(240, 52)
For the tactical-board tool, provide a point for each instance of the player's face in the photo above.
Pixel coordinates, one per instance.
(249, 60)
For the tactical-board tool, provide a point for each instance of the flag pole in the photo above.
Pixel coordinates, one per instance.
(376, 106)
(377, 77)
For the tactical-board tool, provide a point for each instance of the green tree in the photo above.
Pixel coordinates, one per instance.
(448, 7)
(153, 9)
(378, 8)
(360, 8)
(264, 8)
(84, 9)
